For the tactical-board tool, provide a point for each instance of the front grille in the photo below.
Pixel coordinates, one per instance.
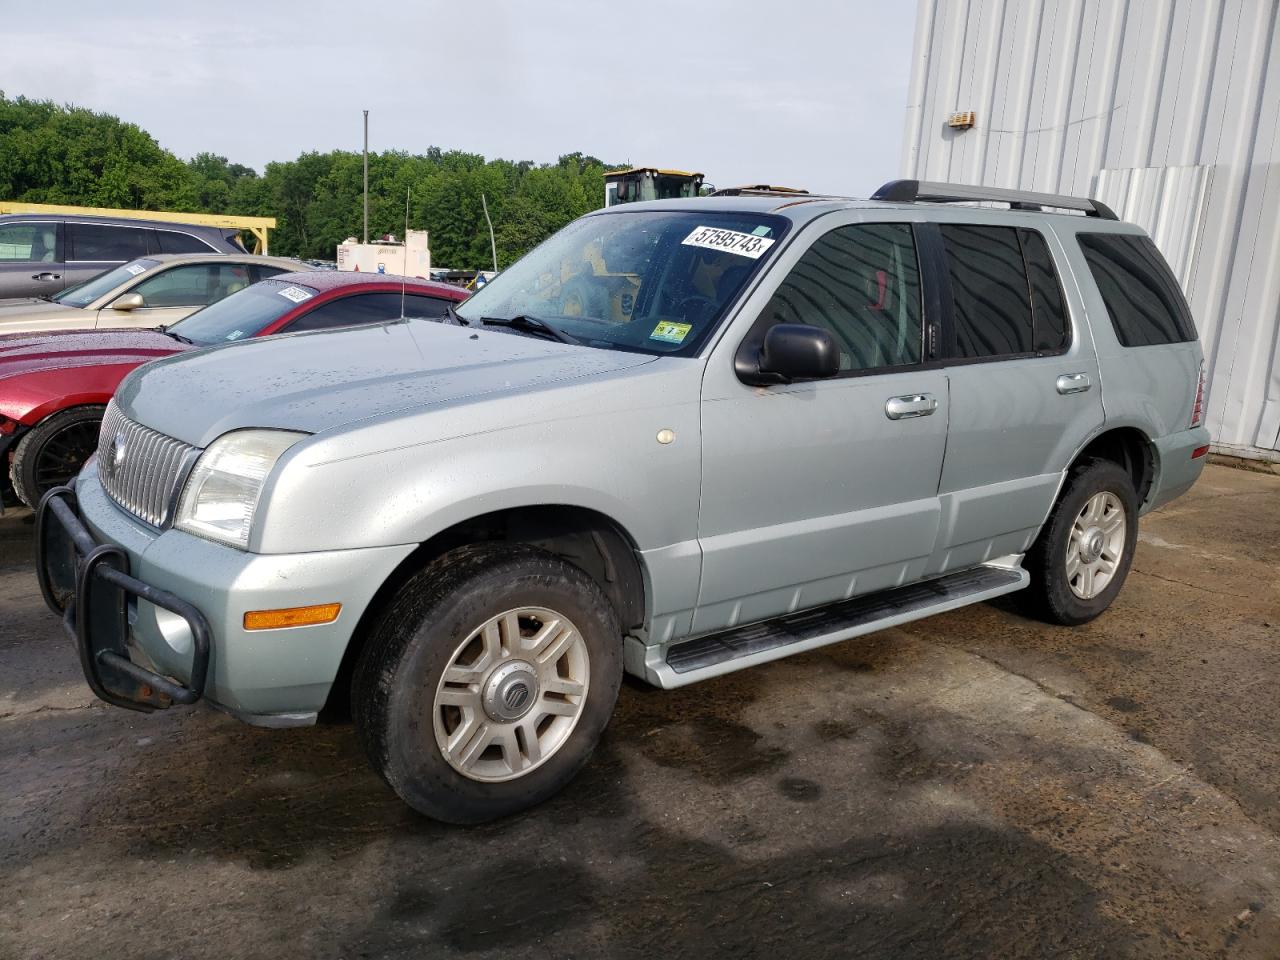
(141, 468)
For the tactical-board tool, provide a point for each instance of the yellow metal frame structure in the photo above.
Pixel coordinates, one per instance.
(258, 226)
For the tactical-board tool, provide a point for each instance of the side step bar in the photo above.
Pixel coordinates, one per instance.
(688, 661)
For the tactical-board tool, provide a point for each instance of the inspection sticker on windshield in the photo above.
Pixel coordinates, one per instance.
(296, 294)
(730, 241)
(670, 332)
(135, 268)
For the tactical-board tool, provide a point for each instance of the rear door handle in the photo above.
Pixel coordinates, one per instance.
(1074, 383)
(46, 276)
(914, 405)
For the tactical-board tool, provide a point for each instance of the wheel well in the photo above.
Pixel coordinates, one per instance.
(585, 538)
(1128, 447)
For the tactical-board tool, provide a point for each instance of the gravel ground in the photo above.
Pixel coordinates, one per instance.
(973, 785)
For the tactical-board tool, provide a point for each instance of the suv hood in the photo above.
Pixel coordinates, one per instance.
(22, 353)
(316, 381)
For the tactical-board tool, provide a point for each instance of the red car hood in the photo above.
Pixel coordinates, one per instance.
(22, 353)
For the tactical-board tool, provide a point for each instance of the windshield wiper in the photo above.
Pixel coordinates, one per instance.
(164, 328)
(535, 325)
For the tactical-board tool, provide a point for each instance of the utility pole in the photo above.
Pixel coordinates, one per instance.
(366, 177)
(493, 244)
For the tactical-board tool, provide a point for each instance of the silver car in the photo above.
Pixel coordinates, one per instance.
(677, 439)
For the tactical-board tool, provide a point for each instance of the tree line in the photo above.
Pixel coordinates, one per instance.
(51, 153)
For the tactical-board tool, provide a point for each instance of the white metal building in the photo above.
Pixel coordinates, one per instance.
(1167, 110)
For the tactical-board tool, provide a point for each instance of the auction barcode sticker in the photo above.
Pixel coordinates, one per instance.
(730, 241)
(296, 294)
(135, 268)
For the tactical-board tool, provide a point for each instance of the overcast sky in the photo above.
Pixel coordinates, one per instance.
(802, 93)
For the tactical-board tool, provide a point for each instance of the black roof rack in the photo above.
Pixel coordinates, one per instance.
(913, 191)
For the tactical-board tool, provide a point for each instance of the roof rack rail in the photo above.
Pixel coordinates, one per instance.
(759, 189)
(912, 191)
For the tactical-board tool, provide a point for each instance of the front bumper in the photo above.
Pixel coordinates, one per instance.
(158, 616)
(76, 575)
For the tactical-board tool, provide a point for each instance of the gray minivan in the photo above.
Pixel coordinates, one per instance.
(678, 438)
(43, 254)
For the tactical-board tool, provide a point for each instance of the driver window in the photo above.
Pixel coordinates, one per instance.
(862, 283)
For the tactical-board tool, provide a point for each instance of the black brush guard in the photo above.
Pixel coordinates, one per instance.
(88, 585)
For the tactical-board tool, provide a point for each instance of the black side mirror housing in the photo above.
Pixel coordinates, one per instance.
(792, 351)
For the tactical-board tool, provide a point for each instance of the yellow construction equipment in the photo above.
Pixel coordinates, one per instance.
(258, 226)
(649, 183)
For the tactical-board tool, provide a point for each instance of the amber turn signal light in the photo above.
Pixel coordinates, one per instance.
(292, 617)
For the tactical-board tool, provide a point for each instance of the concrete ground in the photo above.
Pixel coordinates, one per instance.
(974, 785)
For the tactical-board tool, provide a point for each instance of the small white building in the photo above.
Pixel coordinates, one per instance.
(412, 258)
(1168, 111)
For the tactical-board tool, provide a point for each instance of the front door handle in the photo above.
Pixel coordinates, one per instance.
(914, 405)
(46, 276)
(1074, 383)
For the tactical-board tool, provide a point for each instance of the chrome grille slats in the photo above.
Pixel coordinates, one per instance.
(145, 480)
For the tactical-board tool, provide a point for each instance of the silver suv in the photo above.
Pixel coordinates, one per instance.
(677, 439)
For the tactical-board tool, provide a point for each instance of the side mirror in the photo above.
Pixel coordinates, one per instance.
(130, 301)
(796, 351)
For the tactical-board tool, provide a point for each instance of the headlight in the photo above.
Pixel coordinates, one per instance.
(221, 495)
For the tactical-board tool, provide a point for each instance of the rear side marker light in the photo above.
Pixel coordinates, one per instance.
(1199, 452)
(292, 617)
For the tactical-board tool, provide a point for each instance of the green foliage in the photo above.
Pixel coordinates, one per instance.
(65, 154)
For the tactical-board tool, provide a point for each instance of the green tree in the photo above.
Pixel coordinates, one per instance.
(51, 153)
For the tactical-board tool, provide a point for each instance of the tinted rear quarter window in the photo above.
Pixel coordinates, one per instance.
(1141, 294)
(173, 242)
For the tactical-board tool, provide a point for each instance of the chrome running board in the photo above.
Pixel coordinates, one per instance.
(688, 661)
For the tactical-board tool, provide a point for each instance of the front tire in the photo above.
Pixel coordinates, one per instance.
(53, 451)
(485, 686)
(1082, 556)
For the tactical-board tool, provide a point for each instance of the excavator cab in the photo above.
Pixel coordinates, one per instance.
(648, 183)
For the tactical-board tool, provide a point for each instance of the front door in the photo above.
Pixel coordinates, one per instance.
(30, 259)
(816, 491)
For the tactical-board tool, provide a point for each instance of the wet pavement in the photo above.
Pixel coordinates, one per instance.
(973, 785)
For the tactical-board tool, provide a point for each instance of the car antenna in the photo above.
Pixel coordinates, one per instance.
(405, 271)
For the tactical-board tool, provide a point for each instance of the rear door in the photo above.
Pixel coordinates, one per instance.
(31, 258)
(818, 490)
(1024, 385)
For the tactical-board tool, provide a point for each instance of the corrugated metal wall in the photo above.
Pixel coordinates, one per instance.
(1167, 109)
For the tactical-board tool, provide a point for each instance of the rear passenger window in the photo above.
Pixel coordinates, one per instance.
(174, 242)
(105, 244)
(1005, 293)
(992, 304)
(1141, 293)
(862, 283)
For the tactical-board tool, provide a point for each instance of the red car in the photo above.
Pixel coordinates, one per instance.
(54, 386)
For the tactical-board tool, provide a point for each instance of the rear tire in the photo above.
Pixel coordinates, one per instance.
(1081, 558)
(52, 452)
(485, 686)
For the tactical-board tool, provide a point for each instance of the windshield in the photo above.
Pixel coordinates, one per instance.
(243, 314)
(83, 294)
(653, 282)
